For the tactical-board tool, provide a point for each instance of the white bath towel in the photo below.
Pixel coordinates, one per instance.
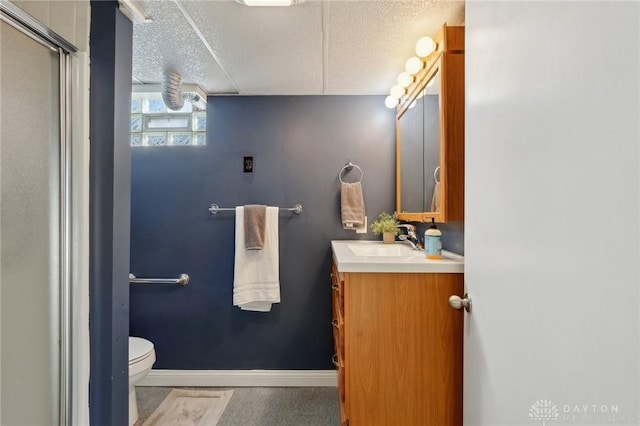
(256, 275)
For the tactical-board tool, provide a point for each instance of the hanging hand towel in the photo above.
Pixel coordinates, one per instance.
(256, 275)
(352, 205)
(435, 199)
(254, 226)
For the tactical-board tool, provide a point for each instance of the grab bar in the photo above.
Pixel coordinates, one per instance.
(183, 279)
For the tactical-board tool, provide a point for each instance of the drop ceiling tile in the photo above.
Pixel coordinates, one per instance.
(316, 47)
(266, 50)
(169, 42)
(370, 41)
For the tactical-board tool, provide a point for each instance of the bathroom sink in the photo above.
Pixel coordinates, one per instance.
(380, 250)
(375, 256)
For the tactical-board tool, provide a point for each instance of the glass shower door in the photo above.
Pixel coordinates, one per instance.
(31, 230)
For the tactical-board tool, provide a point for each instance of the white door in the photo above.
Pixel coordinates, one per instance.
(552, 220)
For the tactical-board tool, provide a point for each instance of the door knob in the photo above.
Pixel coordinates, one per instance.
(457, 303)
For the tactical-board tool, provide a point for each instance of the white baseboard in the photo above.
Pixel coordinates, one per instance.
(242, 378)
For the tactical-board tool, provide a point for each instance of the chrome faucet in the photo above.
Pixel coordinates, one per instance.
(410, 236)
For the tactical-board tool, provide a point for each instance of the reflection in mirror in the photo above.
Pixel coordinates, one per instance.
(431, 140)
(412, 157)
(420, 151)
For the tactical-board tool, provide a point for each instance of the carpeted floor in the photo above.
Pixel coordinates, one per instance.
(261, 406)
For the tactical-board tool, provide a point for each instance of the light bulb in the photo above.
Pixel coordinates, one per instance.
(425, 46)
(413, 65)
(412, 104)
(405, 79)
(397, 91)
(390, 102)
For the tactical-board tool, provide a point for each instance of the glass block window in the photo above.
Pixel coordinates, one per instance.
(154, 139)
(201, 138)
(136, 104)
(153, 124)
(136, 123)
(200, 122)
(180, 139)
(153, 105)
(168, 122)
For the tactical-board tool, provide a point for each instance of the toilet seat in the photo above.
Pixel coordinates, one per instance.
(139, 349)
(142, 356)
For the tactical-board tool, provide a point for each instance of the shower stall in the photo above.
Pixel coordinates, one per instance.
(35, 222)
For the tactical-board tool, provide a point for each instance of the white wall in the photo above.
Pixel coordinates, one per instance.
(552, 236)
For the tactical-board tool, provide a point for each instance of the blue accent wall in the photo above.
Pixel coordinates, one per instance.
(299, 144)
(110, 166)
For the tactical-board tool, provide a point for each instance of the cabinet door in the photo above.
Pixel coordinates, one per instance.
(337, 323)
(403, 349)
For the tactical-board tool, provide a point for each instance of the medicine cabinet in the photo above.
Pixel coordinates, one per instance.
(430, 136)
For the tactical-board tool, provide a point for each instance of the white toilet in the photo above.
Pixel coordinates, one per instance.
(141, 359)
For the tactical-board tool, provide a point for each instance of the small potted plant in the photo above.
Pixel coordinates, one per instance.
(387, 225)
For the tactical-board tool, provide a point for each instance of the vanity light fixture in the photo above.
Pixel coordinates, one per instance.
(391, 102)
(425, 47)
(405, 79)
(269, 2)
(413, 65)
(397, 91)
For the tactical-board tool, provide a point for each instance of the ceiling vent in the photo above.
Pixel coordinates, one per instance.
(174, 94)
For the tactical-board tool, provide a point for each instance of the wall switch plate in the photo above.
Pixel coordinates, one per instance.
(248, 164)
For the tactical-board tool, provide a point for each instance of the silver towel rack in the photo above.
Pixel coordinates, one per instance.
(183, 279)
(347, 168)
(214, 209)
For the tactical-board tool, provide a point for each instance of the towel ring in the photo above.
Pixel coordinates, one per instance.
(347, 167)
(435, 174)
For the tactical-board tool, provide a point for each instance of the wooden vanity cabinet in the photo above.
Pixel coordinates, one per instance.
(398, 348)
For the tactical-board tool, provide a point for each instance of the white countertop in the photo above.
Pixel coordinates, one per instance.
(375, 256)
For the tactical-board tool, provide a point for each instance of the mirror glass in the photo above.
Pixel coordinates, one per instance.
(420, 151)
(412, 158)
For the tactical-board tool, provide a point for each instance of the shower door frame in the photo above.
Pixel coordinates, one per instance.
(37, 31)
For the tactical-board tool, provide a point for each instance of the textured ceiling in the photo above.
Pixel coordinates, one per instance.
(317, 47)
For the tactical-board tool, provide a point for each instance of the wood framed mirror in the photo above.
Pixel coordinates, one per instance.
(430, 136)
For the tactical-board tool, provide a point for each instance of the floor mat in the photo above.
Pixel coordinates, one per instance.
(183, 407)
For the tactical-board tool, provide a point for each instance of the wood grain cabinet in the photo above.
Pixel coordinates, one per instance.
(398, 348)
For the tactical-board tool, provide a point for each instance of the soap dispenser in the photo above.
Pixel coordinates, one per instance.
(433, 241)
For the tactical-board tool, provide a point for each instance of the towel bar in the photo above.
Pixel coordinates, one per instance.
(347, 168)
(183, 279)
(214, 209)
